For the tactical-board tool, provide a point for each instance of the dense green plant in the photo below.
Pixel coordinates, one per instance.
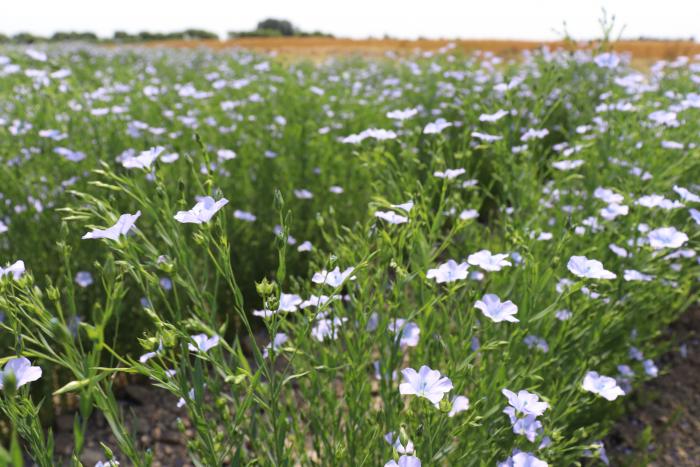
(341, 213)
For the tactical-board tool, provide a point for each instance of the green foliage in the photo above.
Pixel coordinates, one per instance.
(284, 27)
(317, 397)
(271, 27)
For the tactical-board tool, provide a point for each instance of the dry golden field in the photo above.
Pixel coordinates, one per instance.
(315, 47)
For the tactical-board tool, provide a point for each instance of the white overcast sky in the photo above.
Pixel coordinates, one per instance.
(512, 19)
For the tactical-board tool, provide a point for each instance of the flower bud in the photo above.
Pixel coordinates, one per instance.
(108, 452)
(265, 288)
(180, 425)
(165, 264)
(199, 239)
(445, 405)
(149, 343)
(403, 436)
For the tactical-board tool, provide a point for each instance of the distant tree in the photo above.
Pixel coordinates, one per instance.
(274, 28)
(199, 34)
(4, 38)
(25, 38)
(150, 36)
(255, 33)
(74, 36)
(284, 27)
(121, 36)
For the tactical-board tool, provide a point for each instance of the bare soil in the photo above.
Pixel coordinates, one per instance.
(322, 47)
(662, 427)
(152, 416)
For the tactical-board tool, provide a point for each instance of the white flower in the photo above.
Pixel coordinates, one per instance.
(202, 342)
(686, 195)
(305, 246)
(316, 301)
(143, 160)
(492, 307)
(169, 158)
(459, 404)
(426, 383)
(264, 313)
(494, 117)
(563, 314)
(391, 217)
(378, 134)
(658, 201)
(633, 275)
(625, 370)
(289, 302)
(589, 268)
(532, 341)
(303, 194)
(604, 386)
(525, 402)
(607, 195)
(523, 459)
(36, 55)
(277, 342)
(83, 278)
(436, 127)
(149, 355)
(448, 272)
(650, 368)
(664, 117)
(23, 371)
(618, 250)
(449, 173)
(407, 206)
(244, 215)
(16, 269)
(334, 278)
(201, 212)
(666, 237)
(531, 133)
(122, 227)
(487, 261)
(109, 463)
(486, 137)
(695, 214)
(607, 60)
(225, 154)
(527, 426)
(395, 441)
(327, 328)
(468, 214)
(401, 114)
(613, 210)
(672, 145)
(404, 461)
(409, 332)
(567, 164)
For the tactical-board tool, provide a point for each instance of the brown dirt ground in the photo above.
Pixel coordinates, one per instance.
(320, 47)
(151, 416)
(662, 427)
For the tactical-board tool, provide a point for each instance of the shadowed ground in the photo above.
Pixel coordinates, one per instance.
(662, 427)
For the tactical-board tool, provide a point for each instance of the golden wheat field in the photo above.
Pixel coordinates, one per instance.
(322, 46)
